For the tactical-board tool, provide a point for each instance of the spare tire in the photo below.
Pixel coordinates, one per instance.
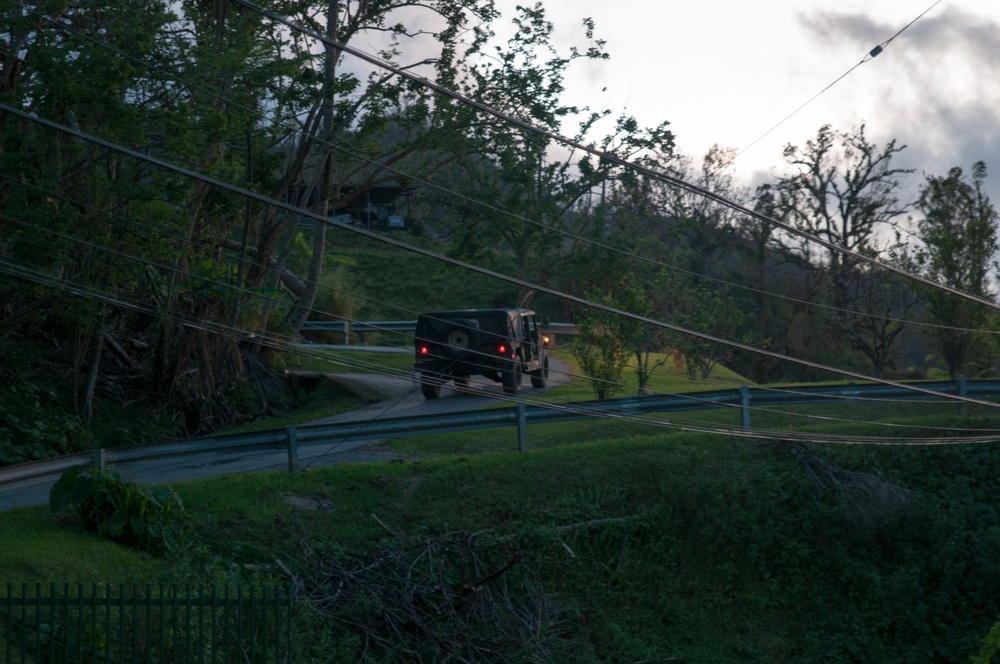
(460, 337)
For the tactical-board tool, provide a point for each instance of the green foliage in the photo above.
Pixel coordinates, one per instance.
(341, 297)
(602, 336)
(34, 425)
(960, 239)
(121, 510)
(403, 284)
(695, 306)
(991, 646)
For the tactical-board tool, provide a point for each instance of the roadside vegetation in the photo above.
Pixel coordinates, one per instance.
(633, 542)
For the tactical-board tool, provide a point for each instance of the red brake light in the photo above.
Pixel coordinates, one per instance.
(502, 348)
(424, 350)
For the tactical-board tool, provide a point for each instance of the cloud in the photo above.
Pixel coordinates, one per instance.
(935, 87)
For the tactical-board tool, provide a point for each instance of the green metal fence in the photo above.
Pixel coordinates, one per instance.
(133, 624)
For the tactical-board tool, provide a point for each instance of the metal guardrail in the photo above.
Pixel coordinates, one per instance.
(347, 327)
(359, 326)
(290, 438)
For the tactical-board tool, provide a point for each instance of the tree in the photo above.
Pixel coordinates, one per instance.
(529, 185)
(702, 308)
(959, 236)
(219, 89)
(883, 302)
(342, 150)
(765, 266)
(845, 191)
(604, 336)
(79, 216)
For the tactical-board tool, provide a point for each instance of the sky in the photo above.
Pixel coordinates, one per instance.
(731, 72)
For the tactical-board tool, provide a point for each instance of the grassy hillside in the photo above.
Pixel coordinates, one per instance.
(398, 285)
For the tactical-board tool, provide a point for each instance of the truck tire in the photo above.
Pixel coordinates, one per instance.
(512, 378)
(540, 376)
(430, 386)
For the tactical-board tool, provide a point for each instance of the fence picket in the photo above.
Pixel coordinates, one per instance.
(104, 624)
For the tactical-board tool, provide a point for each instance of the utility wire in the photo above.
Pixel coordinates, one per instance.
(868, 56)
(281, 343)
(576, 237)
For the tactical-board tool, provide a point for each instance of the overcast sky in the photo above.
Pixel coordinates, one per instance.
(728, 71)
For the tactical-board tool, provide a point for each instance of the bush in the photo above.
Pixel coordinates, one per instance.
(33, 425)
(120, 509)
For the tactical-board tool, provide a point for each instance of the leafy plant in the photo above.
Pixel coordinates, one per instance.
(120, 509)
(33, 426)
(990, 646)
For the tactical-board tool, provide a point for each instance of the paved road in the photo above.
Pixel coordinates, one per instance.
(401, 398)
(396, 397)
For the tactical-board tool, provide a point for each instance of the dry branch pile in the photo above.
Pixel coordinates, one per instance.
(868, 502)
(457, 597)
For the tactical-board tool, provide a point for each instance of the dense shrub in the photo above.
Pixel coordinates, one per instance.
(33, 425)
(119, 509)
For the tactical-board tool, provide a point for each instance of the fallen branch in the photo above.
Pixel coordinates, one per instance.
(433, 598)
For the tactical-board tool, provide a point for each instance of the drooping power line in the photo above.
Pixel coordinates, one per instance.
(868, 56)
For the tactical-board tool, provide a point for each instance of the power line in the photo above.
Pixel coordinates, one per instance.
(281, 343)
(247, 292)
(403, 72)
(793, 360)
(874, 52)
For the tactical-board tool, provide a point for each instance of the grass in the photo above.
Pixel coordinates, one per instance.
(662, 544)
(41, 547)
(330, 400)
(319, 400)
(663, 380)
(395, 279)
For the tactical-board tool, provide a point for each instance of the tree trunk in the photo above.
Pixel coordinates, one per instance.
(300, 313)
(93, 365)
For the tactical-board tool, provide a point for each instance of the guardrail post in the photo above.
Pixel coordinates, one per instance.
(347, 333)
(522, 428)
(293, 449)
(963, 391)
(744, 406)
(97, 459)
